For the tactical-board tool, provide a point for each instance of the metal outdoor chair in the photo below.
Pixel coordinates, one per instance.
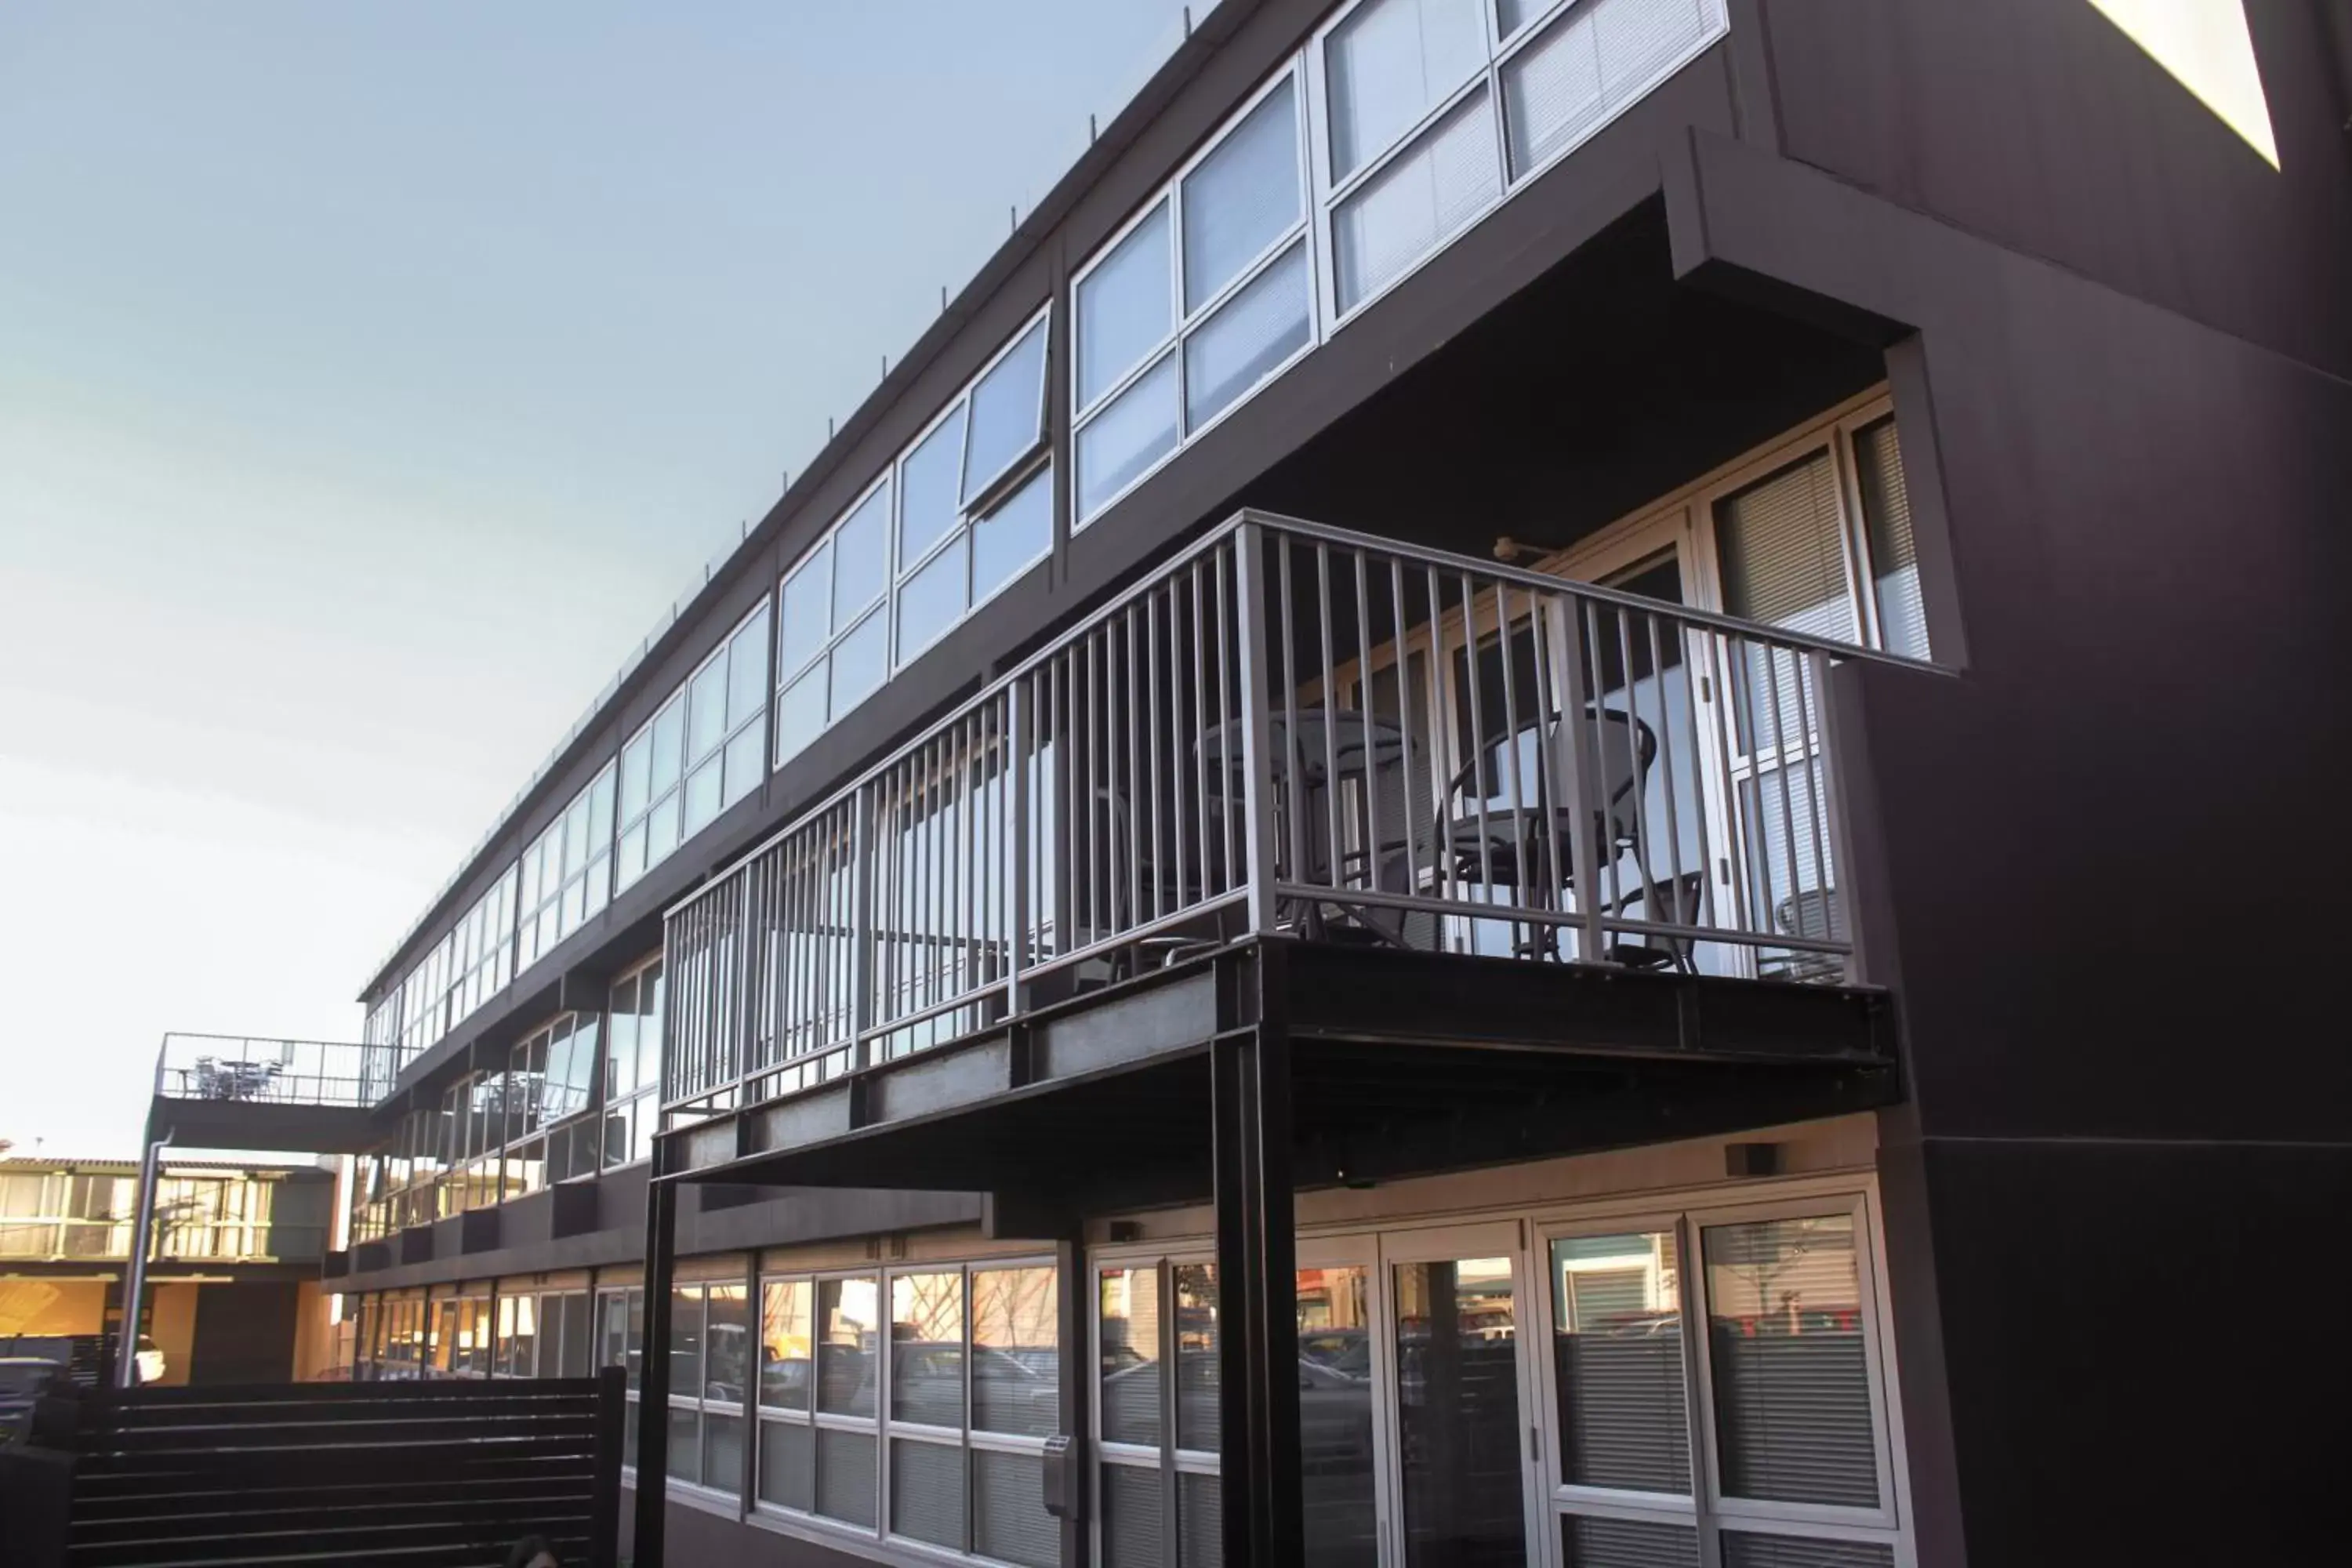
(1502, 825)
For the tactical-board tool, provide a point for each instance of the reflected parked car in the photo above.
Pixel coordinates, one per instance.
(23, 1380)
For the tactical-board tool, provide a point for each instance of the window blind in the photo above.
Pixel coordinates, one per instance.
(1893, 557)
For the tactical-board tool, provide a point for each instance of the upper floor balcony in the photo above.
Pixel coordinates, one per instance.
(71, 1212)
(227, 1092)
(1290, 731)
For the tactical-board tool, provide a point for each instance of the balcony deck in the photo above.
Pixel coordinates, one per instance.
(224, 1091)
(1325, 783)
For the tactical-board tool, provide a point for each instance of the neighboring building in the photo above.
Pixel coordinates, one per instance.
(1917, 434)
(235, 1291)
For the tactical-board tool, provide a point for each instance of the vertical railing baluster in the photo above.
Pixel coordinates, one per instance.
(1334, 827)
(1290, 787)
(1583, 775)
(1019, 698)
(1367, 710)
(1841, 824)
(1787, 816)
(1257, 781)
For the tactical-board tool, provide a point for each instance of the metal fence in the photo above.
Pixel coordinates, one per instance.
(1288, 728)
(265, 1072)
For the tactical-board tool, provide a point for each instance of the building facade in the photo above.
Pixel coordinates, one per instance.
(234, 1292)
(1484, 823)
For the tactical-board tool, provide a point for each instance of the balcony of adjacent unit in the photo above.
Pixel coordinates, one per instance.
(224, 1091)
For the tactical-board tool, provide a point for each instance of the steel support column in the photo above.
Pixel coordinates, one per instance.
(1257, 1308)
(653, 1374)
(125, 1369)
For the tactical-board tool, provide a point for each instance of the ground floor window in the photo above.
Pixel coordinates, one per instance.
(621, 1342)
(914, 1403)
(1683, 1384)
(710, 1369)
(543, 1334)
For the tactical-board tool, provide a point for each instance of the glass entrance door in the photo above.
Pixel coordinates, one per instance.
(1460, 1431)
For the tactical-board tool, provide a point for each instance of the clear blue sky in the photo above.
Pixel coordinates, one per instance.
(370, 376)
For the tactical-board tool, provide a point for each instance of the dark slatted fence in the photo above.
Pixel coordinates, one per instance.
(372, 1475)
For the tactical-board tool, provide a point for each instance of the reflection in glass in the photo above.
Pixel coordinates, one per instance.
(723, 1452)
(1128, 1320)
(728, 1345)
(932, 599)
(1017, 1359)
(1791, 1373)
(1334, 1418)
(847, 1313)
(1134, 1517)
(784, 1347)
(927, 1349)
(1197, 1413)
(860, 662)
(861, 553)
(685, 1341)
(1458, 1428)
(1617, 1340)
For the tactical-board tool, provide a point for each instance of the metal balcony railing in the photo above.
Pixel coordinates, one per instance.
(265, 1072)
(1288, 728)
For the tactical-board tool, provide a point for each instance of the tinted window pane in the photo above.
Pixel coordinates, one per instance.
(1251, 333)
(1626, 1543)
(745, 763)
(1009, 1522)
(1390, 64)
(723, 1452)
(1017, 1359)
(747, 670)
(706, 701)
(927, 1492)
(1013, 536)
(1242, 198)
(1007, 413)
(1123, 307)
(1893, 554)
(845, 1476)
(1126, 438)
(1457, 1413)
(685, 1444)
(807, 613)
(1617, 1340)
(685, 1341)
(1128, 1320)
(800, 713)
(1134, 1517)
(859, 664)
(861, 549)
(930, 484)
(1791, 1369)
(1742, 1550)
(932, 600)
(927, 1349)
(1429, 192)
(787, 1465)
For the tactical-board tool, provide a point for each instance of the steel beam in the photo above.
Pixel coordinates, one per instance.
(1258, 1313)
(653, 1376)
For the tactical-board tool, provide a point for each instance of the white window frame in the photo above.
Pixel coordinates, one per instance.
(977, 506)
(820, 663)
(1170, 1460)
(702, 1285)
(720, 751)
(645, 1097)
(594, 891)
(1184, 325)
(1501, 50)
(882, 1427)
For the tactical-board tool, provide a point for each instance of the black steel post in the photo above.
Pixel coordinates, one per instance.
(1074, 1294)
(1257, 1299)
(653, 1374)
